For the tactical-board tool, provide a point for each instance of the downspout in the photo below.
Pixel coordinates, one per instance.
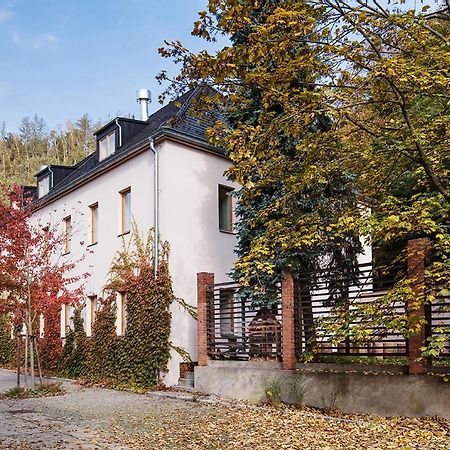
(155, 208)
(51, 171)
(120, 132)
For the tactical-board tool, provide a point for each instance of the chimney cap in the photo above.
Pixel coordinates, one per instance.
(143, 95)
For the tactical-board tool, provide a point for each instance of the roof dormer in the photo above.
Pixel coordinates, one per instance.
(115, 134)
(49, 176)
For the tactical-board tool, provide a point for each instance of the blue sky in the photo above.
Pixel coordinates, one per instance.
(63, 58)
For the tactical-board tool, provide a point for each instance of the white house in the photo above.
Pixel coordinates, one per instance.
(96, 200)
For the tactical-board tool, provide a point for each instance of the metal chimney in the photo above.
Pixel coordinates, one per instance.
(143, 97)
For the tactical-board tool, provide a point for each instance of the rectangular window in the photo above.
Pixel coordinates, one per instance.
(43, 186)
(67, 318)
(94, 223)
(107, 146)
(225, 209)
(121, 313)
(67, 221)
(125, 210)
(92, 302)
(41, 326)
(226, 298)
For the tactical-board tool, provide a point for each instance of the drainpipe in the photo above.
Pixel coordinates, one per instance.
(155, 207)
(120, 132)
(51, 171)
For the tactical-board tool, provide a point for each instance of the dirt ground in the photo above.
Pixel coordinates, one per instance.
(94, 418)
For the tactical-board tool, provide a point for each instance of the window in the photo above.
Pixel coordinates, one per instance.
(225, 209)
(125, 210)
(92, 302)
(107, 146)
(41, 326)
(226, 298)
(67, 319)
(43, 186)
(94, 223)
(67, 233)
(121, 321)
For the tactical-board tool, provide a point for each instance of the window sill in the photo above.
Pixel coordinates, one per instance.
(124, 233)
(227, 231)
(91, 245)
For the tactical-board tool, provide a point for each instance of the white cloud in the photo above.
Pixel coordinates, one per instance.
(44, 40)
(38, 41)
(6, 15)
(6, 12)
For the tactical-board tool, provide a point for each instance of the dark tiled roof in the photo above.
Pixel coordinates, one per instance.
(174, 118)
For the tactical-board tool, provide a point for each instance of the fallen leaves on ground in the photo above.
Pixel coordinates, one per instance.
(232, 427)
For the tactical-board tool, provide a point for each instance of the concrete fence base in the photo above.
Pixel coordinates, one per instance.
(366, 392)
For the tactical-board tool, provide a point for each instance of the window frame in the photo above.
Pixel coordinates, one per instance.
(108, 152)
(125, 213)
(67, 318)
(226, 311)
(121, 319)
(67, 221)
(229, 190)
(94, 223)
(40, 185)
(92, 310)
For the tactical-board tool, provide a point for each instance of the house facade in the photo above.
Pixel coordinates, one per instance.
(95, 202)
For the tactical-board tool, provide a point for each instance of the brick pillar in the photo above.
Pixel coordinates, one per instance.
(418, 250)
(203, 280)
(287, 314)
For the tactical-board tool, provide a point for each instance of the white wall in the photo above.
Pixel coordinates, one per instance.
(137, 174)
(189, 221)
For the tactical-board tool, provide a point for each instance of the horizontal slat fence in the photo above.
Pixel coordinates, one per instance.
(322, 293)
(439, 318)
(237, 330)
(240, 331)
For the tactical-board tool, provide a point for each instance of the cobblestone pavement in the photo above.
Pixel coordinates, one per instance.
(93, 418)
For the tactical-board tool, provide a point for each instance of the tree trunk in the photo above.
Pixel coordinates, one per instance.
(30, 342)
(18, 358)
(26, 361)
(30, 333)
(38, 361)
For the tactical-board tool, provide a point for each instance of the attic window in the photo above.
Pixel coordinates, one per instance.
(43, 186)
(107, 146)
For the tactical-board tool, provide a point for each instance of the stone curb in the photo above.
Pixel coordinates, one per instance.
(215, 401)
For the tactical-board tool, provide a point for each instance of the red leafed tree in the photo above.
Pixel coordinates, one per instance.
(34, 279)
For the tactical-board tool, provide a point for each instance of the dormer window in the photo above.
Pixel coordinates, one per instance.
(43, 186)
(107, 146)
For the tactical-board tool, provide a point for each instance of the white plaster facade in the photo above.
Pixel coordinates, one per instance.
(189, 179)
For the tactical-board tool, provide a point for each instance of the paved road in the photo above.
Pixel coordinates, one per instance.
(94, 418)
(8, 380)
(89, 418)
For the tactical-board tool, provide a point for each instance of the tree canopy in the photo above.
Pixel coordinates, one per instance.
(22, 153)
(342, 126)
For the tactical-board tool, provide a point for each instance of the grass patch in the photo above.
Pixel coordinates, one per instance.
(372, 360)
(441, 362)
(42, 390)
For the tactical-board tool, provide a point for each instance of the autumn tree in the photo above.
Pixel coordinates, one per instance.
(278, 227)
(33, 277)
(378, 74)
(22, 153)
